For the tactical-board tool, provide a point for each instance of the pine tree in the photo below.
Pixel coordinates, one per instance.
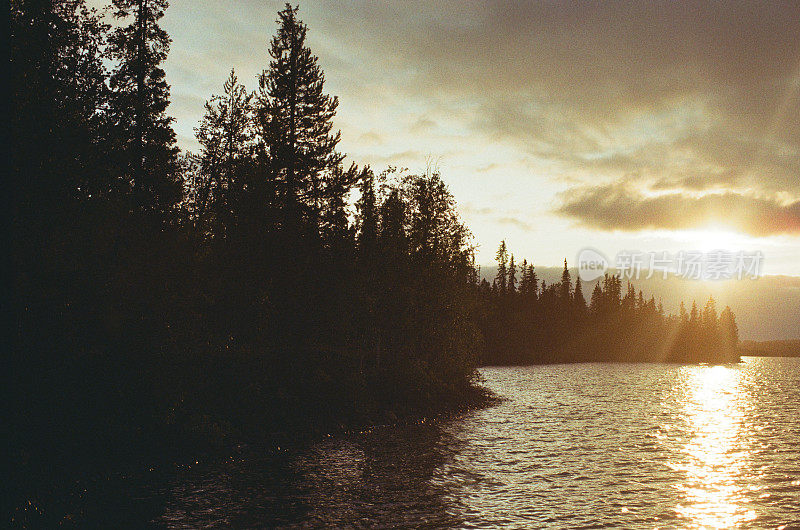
(140, 96)
(512, 276)
(709, 316)
(225, 136)
(578, 299)
(502, 267)
(730, 332)
(565, 288)
(524, 282)
(367, 208)
(295, 123)
(596, 304)
(534, 281)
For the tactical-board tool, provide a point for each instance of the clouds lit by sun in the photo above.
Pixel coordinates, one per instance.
(554, 126)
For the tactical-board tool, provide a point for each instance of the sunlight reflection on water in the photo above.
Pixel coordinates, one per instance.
(715, 455)
(615, 445)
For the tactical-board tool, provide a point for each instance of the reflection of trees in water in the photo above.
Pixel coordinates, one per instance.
(380, 478)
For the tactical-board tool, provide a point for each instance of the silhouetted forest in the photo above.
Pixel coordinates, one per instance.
(261, 284)
(526, 321)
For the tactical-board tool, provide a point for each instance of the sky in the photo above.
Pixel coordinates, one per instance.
(646, 126)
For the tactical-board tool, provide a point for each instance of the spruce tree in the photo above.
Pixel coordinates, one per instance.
(524, 285)
(565, 289)
(367, 219)
(596, 304)
(502, 267)
(225, 136)
(534, 282)
(140, 96)
(295, 125)
(512, 276)
(578, 299)
(730, 333)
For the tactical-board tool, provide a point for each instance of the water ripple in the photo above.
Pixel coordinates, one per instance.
(573, 446)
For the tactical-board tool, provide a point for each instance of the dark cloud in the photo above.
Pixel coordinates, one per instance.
(694, 94)
(696, 101)
(616, 207)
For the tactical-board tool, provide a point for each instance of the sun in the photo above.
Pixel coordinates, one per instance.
(707, 240)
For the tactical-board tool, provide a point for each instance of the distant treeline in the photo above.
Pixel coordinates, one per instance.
(771, 348)
(524, 320)
(259, 285)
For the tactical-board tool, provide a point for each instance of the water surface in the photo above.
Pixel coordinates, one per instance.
(579, 445)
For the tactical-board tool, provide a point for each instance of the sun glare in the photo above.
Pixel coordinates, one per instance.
(714, 495)
(715, 239)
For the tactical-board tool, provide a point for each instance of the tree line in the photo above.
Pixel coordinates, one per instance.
(261, 284)
(524, 320)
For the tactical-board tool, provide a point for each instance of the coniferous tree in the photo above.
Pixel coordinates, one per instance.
(512, 276)
(295, 124)
(565, 288)
(140, 96)
(578, 299)
(60, 205)
(524, 281)
(502, 267)
(534, 281)
(710, 314)
(225, 136)
(730, 333)
(629, 300)
(693, 314)
(367, 208)
(596, 302)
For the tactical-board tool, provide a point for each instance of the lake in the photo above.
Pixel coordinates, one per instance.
(573, 445)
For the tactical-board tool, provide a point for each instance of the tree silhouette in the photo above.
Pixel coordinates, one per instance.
(512, 276)
(578, 299)
(139, 100)
(565, 288)
(294, 118)
(502, 267)
(225, 137)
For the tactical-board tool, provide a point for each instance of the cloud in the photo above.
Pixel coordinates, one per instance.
(371, 138)
(710, 88)
(567, 81)
(499, 216)
(617, 207)
(644, 107)
(515, 222)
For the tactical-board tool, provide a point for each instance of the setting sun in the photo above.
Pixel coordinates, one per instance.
(711, 239)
